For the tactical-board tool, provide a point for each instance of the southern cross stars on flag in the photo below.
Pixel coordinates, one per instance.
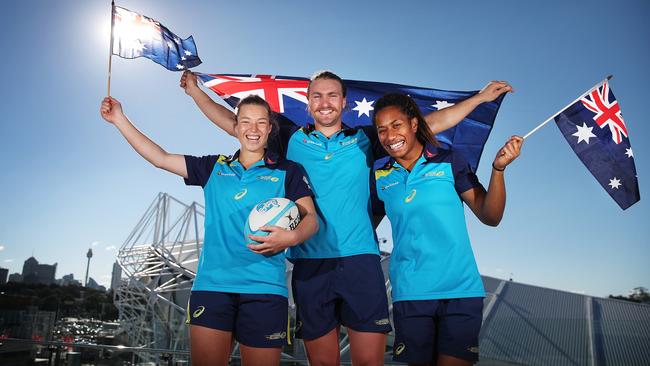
(595, 129)
(288, 96)
(135, 35)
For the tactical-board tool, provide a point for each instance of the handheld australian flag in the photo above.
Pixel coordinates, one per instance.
(594, 128)
(287, 96)
(135, 35)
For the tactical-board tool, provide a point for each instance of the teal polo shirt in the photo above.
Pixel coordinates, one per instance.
(339, 169)
(231, 192)
(432, 257)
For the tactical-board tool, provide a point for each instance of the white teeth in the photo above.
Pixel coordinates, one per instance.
(396, 145)
(253, 137)
(325, 112)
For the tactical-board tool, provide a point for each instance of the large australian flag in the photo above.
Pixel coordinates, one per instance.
(287, 96)
(594, 128)
(135, 35)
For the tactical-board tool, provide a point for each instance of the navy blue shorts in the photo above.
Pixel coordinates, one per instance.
(426, 328)
(349, 291)
(256, 320)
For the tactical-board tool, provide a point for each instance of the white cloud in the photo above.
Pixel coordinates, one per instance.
(8, 260)
(2, 247)
(95, 243)
(111, 247)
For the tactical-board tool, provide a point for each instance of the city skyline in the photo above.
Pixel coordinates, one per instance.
(71, 183)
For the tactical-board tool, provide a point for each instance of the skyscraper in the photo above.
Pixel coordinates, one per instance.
(116, 276)
(33, 272)
(3, 275)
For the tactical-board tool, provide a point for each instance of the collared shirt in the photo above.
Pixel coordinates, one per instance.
(432, 256)
(231, 192)
(338, 169)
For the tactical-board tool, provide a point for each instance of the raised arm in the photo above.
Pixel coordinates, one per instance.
(111, 111)
(218, 114)
(280, 239)
(447, 118)
(489, 206)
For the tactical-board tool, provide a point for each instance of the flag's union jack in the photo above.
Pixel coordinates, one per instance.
(608, 113)
(271, 88)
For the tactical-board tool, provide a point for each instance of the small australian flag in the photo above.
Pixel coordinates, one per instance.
(594, 128)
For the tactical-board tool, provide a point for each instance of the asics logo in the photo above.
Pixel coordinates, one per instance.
(197, 313)
(240, 194)
(410, 197)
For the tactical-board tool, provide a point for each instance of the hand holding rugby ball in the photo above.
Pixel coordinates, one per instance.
(280, 212)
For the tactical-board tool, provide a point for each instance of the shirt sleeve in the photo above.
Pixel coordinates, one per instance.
(378, 151)
(296, 183)
(464, 178)
(377, 204)
(199, 169)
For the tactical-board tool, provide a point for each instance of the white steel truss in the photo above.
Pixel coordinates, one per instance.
(159, 260)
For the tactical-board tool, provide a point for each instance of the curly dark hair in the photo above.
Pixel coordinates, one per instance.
(406, 105)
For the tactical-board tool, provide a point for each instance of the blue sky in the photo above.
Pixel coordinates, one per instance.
(70, 182)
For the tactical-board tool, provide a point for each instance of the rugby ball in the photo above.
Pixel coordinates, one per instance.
(279, 212)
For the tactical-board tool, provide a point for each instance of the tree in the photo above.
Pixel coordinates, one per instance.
(637, 294)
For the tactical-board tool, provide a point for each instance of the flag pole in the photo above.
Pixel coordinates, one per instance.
(110, 52)
(567, 106)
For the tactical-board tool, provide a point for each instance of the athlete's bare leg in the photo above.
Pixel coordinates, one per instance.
(258, 356)
(367, 348)
(446, 360)
(324, 351)
(209, 347)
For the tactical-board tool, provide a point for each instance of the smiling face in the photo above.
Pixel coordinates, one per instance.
(326, 102)
(397, 134)
(253, 127)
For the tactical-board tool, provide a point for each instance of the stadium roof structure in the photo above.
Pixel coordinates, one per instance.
(531, 325)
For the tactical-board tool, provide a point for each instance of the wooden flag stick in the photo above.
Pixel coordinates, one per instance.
(110, 49)
(567, 106)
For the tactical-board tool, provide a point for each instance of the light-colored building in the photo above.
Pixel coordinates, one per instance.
(68, 280)
(116, 276)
